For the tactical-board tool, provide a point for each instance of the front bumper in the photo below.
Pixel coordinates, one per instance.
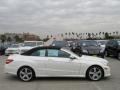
(106, 71)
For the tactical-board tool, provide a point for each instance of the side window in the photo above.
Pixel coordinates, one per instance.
(40, 53)
(52, 53)
(116, 43)
(110, 43)
(57, 53)
(113, 43)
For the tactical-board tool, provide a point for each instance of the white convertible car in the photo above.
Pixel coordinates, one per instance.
(56, 62)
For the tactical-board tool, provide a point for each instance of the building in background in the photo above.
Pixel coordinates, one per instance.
(30, 37)
(18, 37)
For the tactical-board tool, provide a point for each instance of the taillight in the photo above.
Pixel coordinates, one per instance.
(8, 61)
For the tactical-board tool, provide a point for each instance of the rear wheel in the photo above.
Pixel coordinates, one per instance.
(95, 73)
(26, 74)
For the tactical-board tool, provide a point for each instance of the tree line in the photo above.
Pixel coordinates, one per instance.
(99, 35)
(4, 38)
(67, 35)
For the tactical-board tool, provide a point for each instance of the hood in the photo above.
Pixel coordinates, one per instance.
(93, 59)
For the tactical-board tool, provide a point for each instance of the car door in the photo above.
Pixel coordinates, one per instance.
(60, 64)
(115, 47)
(39, 58)
(110, 47)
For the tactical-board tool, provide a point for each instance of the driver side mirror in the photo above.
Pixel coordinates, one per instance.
(72, 57)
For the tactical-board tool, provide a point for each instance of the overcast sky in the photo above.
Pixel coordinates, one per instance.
(57, 16)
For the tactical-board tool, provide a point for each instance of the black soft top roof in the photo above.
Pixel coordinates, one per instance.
(47, 47)
(37, 48)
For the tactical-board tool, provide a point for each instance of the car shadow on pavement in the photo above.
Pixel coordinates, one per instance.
(49, 79)
(66, 79)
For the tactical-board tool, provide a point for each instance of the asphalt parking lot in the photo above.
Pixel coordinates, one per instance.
(8, 82)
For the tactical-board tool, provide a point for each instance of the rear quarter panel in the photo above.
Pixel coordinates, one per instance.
(20, 61)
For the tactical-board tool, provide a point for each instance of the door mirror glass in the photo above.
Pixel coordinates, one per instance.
(72, 57)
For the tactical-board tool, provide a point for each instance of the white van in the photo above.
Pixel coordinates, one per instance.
(13, 49)
(30, 44)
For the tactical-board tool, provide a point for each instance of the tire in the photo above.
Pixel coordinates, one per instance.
(106, 54)
(102, 55)
(95, 73)
(118, 56)
(26, 74)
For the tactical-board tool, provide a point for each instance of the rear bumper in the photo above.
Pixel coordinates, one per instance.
(10, 70)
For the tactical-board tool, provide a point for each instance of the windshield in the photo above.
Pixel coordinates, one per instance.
(39, 43)
(119, 43)
(14, 46)
(30, 44)
(59, 43)
(88, 43)
(103, 42)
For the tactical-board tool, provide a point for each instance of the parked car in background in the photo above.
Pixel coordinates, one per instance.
(90, 47)
(30, 44)
(33, 43)
(113, 48)
(102, 43)
(2, 50)
(56, 62)
(60, 44)
(70, 45)
(13, 49)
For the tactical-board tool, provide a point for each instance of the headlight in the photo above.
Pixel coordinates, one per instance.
(106, 63)
(6, 51)
(84, 51)
(16, 51)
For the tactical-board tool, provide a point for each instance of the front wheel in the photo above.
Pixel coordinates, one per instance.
(106, 53)
(26, 74)
(102, 55)
(118, 56)
(95, 73)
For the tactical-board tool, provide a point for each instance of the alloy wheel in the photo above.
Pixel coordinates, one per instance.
(25, 74)
(95, 73)
(106, 54)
